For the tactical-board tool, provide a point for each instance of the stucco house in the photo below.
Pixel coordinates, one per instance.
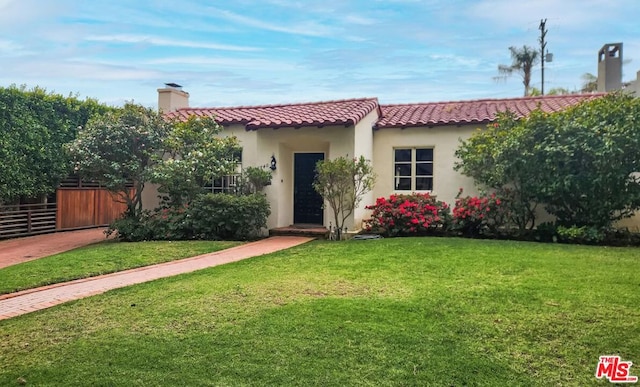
(411, 146)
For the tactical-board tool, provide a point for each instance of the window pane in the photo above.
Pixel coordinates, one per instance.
(403, 169)
(424, 169)
(403, 155)
(403, 184)
(424, 184)
(424, 154)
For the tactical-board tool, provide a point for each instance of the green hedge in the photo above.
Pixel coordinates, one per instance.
(228, 217)
(208, 217)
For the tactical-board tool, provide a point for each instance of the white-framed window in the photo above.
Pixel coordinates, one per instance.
(413, 169)
(228, 183)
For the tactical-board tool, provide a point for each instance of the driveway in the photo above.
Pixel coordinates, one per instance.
(18, 250)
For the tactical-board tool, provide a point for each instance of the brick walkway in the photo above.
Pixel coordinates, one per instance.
(27, 301)
(14, 251)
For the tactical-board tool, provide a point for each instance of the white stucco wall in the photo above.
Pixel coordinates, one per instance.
(443, 139)
(363, 146)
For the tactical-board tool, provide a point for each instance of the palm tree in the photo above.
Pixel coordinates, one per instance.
(589, 83)
(523, 59)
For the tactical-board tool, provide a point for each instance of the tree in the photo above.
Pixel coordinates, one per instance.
(589, 162)
(342, 182)
(523, 59)
(120, 148)
(34, 126)
(581, 163)
(194, 154)
(498, 159)
(589, 83)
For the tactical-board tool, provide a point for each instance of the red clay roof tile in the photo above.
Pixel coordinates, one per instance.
(341, 112)
(351, 111)
(471, 112)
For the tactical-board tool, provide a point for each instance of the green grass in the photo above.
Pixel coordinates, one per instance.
(101, 258)
(414, 311)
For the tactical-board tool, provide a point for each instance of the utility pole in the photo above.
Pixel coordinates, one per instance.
(543, 45)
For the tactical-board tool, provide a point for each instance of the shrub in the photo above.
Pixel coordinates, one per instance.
(479, 215)
(408, 214)
(582, 235)
(209, 217)
(169, 223)
(228, 217)
(254, 179)
(130, 228)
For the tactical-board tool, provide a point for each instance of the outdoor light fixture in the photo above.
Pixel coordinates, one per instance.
(273, 163)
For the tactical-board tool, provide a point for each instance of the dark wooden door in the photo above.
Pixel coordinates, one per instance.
(307, 203)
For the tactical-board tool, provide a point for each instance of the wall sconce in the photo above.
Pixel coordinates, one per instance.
(272, 166)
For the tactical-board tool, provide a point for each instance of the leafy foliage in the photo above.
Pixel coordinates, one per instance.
(228, 217)
(34, 125)
(254, 179)
(499, 158)
(584, 234)
(136, 144)
(581, 163)
(193, 155)
(342, 182)
(208, 217)
(120, 148)
(408, 214)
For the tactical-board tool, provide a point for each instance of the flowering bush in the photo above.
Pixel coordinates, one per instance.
(477, 215)
(408, 214)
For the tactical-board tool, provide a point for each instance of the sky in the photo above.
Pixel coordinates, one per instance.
(248, 52)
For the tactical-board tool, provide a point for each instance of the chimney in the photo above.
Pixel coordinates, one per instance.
(610, 67)
(172, 98)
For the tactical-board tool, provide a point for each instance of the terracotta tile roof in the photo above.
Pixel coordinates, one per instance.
(471, 112)
(341, 112)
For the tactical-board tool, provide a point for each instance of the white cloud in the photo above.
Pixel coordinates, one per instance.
(256, 64)
(159, 41)
(306, 28)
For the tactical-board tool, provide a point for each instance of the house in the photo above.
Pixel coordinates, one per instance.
(411, 146)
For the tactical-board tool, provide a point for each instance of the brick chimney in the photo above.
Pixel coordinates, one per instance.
(171, 98)
(610, 67)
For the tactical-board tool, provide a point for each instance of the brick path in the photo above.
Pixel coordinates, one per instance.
(14, 251)
(27, 301)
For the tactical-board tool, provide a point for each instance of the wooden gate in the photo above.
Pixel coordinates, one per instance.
(86, 207)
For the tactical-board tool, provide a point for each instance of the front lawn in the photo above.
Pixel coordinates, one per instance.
(102, 258)
(410, 311)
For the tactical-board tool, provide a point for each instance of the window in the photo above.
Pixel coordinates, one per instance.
(228, 183)
(413, 169)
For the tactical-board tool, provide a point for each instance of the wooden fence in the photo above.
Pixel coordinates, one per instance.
(27, 219)
(74, 208)
(86, 207)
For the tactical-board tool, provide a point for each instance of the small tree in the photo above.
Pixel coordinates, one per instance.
(120, 148)
(342, 182)
(194, 154)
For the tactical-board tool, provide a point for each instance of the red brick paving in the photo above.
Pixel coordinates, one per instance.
(27, 301)
(14, 251)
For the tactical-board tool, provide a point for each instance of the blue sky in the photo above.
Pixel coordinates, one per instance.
(246, 52)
